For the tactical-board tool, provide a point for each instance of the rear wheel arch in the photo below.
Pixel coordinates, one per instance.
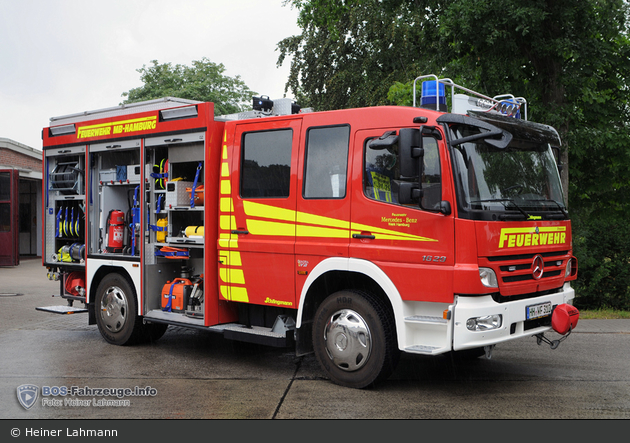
(102, 272)
(95, 281)
(134, 331)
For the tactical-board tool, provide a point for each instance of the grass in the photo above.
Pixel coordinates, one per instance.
(604, 314)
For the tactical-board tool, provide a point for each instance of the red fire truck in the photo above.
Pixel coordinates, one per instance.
(355, 234)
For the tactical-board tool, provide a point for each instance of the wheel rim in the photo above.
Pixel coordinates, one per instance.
(348, 340)
(114, 309)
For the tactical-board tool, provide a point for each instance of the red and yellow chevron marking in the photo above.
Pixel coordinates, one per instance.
(231, 275)
(270, 220)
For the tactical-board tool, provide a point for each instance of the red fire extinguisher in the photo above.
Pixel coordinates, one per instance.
(115, 231)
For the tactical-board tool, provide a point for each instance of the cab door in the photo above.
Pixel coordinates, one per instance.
(258, 265)
(9, 253)
(413, 246)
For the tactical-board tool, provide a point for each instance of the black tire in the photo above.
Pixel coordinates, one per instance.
(354, 339)
(117, 313)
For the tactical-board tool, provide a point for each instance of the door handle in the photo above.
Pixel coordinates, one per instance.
(362, 236)
(240, 232)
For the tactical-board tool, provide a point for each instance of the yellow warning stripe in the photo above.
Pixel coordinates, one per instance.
(231, 274)
(279, 222)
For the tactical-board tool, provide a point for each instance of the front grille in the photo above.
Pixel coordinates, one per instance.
(526, 277)
(497, 297)
(518, 268)
(503, 258)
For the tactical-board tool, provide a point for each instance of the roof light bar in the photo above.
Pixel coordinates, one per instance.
(62, 130)
(178, 113)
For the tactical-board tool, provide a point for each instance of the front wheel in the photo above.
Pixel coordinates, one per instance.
(354, 339)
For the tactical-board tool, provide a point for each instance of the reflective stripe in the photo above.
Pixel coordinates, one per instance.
(382, 187)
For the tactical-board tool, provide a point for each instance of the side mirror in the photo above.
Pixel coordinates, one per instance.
(445, 207)
(410, 152)
(407, 192)
(385, 141)
(411, 193)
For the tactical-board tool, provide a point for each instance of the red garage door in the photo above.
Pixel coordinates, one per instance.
(9, 252)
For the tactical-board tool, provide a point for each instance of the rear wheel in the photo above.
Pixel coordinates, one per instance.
(354, 339)
(117, 313)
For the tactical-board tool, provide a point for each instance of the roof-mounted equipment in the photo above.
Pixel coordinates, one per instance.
(435, 98)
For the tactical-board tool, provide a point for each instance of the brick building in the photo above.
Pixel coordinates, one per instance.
(25, 163)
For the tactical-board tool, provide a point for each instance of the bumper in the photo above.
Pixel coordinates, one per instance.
(514, 324)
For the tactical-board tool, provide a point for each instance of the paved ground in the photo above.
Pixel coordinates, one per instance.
(201, 375)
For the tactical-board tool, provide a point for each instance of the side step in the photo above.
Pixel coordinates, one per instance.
(62, 309)
(423, 349)
(425, 319)
(435, 333)
(258, 335)
(280, 335)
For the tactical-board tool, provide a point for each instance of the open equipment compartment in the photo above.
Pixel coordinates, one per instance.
(64, 218)
(174, 261)
(115, 199)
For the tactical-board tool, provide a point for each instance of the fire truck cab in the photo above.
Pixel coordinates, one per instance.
(355, 234)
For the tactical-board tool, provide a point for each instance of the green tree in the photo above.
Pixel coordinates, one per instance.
(569, 58)
(203, 81)
(350, 52)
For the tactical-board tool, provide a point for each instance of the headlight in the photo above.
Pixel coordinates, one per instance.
(485, 323)
(567, 273)
(488, 278)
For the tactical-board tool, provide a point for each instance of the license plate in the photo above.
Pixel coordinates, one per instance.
(537, 311)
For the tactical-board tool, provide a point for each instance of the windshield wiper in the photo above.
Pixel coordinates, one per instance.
(527, 216)
(547, 200)
(503, 201)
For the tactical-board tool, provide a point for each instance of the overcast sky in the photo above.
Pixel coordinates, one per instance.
(60, 57)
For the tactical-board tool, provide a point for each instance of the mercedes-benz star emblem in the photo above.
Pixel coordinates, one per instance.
(538, 267)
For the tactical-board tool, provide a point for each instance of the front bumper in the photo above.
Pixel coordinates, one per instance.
(514, 323)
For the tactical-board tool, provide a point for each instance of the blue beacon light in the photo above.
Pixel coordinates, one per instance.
(429, 96)
(510, 108)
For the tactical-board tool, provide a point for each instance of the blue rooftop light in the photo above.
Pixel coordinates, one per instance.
(429, 95)
(510, 108)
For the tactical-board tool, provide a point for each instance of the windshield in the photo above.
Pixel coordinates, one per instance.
(518, 182)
